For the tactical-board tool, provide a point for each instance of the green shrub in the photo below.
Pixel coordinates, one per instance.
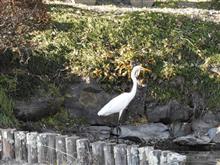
(7, 118)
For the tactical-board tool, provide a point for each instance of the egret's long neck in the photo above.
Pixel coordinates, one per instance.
(134, 87)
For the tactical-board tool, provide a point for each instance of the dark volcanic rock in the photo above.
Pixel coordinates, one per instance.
(198, 103)
(84, 100)
(211, 118)
(136, 109)
(171, 112)
(180, 129)
(146, 132)
(36, 107)
(192, 140)
(202, 125)
(95, 133)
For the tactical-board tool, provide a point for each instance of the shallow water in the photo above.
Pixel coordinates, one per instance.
(202, 157)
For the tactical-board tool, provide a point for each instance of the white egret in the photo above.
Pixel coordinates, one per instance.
(119, 103)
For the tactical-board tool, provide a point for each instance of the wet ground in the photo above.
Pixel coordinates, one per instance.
(202, 157)
(196, 155)
(193, 158)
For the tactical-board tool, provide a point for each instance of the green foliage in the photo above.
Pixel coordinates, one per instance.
(163, 94)
(7, 118)
(8, 83)
(5, 103)
(213, 60)
(61, 121)
(215, 4)
(104, 45)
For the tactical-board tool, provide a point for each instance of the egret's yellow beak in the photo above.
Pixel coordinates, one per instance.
(146, 69)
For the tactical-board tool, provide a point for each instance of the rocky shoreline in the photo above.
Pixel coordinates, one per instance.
(173, 122)
(156, 134)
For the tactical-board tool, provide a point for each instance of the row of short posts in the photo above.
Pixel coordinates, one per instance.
(51, 148)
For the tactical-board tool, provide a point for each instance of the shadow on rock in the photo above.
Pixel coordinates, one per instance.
(152, 132)
(36, 108)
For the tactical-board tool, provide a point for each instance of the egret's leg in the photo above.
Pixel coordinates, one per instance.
(117, 131)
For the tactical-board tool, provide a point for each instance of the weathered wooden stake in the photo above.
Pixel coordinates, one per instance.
(120, 154)
(175, 158)
(154, 157)
(83, 152)
(133, 155)
(142, 156)
(20, 145)
(71, 149)
(51, 152)
(109, 154)
(41, 148)
(1, 145)
(148, 150)
(32, 147)
(46, 148)
(98, 153)
(50, 148)
(8, 144)
(61, 150)
(163, 158)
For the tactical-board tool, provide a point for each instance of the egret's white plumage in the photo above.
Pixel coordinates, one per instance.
(119, 103)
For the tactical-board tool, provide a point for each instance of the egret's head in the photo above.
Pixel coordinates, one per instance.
(137, 69)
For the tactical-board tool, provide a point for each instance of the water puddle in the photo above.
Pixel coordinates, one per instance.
(202, 157)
